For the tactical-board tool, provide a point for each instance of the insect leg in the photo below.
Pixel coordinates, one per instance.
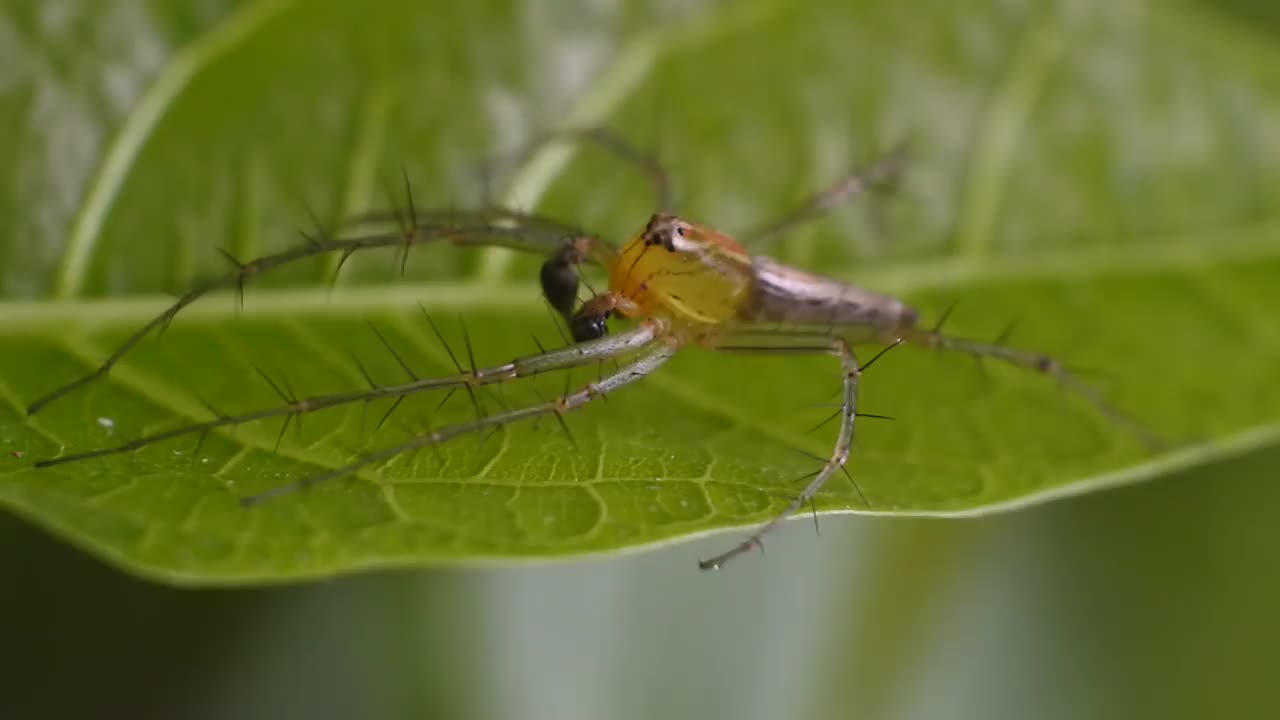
(608, 347)
(650, 360)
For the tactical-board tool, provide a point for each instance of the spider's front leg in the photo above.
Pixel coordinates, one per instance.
(491, 227)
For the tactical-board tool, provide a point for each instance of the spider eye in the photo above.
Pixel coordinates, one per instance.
(663, 230)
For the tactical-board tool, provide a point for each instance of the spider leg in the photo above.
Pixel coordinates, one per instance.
(1037, 362)
(645, 163)
(844, 440)
(658, 352)
(612, 346)
(516, 231)
(550, 230)
(880, 172)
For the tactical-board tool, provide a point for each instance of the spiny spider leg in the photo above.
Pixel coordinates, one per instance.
(529, 239)
(611, 346)
(645, 364)
(885, 169)
(646, 163)
(385, 221)
(744, 339)
(775, 340)
(839, 454)
(1037, 362)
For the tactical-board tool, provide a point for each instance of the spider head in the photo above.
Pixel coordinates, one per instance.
(666, 231)
(684, 271)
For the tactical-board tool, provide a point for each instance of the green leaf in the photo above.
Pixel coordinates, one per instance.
(1105, 174)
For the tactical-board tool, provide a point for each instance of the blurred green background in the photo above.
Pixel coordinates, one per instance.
(1156, 600)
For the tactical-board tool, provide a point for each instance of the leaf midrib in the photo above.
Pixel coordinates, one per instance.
(1251, 243)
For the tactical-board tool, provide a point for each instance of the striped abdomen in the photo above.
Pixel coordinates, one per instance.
(785, 295)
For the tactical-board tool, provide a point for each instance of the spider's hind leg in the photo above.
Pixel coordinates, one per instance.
(1037, 362)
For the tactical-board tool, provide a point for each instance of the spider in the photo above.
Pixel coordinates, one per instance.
(686, 285)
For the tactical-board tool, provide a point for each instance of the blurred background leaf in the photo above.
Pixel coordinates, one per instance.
(1141, 131)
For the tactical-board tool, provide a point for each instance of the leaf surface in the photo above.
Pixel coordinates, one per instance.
(1104, 174)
